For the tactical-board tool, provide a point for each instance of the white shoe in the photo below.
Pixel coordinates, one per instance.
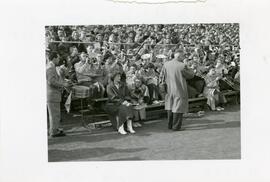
(220, 108)
(131, 131)
(139, 125)
(121, 130)
(155, 102)
(129, 126)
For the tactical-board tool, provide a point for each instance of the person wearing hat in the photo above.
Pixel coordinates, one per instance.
(176, 99)
(118, 106)
(151, 80)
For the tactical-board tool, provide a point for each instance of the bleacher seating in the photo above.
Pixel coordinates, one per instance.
(96, 115)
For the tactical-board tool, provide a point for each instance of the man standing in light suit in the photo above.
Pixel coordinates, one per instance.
(55, 85)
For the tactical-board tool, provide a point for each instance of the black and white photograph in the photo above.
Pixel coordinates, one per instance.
(134, 91)
(143, 92)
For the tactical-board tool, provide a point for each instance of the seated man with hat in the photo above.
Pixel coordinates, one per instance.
(151, 80)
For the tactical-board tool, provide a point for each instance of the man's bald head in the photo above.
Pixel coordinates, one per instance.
(179, 54)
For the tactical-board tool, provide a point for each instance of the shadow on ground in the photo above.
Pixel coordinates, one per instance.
(201, 124)
(88, 137)
(108, 134)
(149, 128)
(210, 124)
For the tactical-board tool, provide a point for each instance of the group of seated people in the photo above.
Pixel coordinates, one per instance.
(126, 67)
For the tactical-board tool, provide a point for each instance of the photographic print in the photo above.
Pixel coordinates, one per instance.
(143, 92)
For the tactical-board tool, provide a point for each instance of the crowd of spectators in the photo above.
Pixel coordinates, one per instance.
(90, 55)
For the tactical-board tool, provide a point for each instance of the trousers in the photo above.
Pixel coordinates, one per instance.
(174, 120)
(54, 116)
(139, 114)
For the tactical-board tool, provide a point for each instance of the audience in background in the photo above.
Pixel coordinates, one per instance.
(137, 52)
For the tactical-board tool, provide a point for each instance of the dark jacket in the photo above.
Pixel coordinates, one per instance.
(114, 107)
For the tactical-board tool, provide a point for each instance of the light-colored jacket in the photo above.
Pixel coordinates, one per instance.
(175, 75)
(54, 84)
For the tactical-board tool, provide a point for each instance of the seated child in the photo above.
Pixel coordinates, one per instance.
(140, 96)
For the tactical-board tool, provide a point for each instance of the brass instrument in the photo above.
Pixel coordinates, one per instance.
(232, 84)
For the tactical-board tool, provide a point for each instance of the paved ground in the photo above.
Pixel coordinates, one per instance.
(214, 136)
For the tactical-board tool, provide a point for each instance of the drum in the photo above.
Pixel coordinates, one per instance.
(80, 91)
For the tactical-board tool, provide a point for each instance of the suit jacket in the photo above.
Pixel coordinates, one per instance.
(54, 84)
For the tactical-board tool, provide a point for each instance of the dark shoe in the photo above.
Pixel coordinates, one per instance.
(169, 127)
(59, 134)
(60, 130)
